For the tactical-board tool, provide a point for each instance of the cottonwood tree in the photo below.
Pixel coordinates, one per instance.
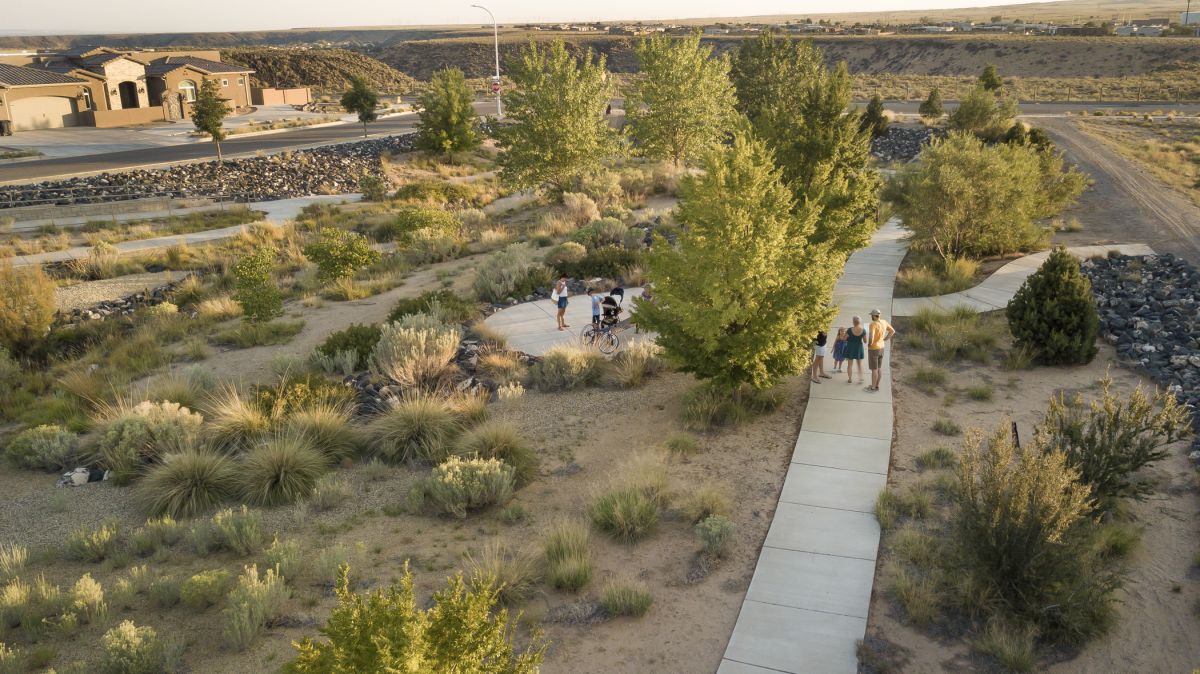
(361, 99)
(984, 113)
(557, 129)
(931, 107)
(966, 198)
(801, 109)
(990, 79)
(446, 123)
(208, 113)
(739, 298)
(682, 102)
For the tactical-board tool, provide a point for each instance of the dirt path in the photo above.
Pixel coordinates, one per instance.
(1125, 203)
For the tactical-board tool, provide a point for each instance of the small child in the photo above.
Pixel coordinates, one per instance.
(839, 349)
(596, 301)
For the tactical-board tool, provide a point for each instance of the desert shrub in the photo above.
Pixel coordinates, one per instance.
(568, 556)
(326, 426)
(218, 309)
(635, 363)
(373, 188)
(339, 253)
(461, 630)
(87, 599)
(416, 357)
(256, 290)
(164, 591)
(501, 440)
(601, 233)
(445, 305)
(154, 535)
(331, 559)
(416, 222)
(187, 483)
(93, 545)
(564, 255)
(284, 557)
(27, 305)
(980, 392)
(132, 437)
(627, 513)
(500, 367)
(238, 531)
(603, 188)
(292, 395)
(1054, 313)
(607, 262)
(205, 589)
(704, 500)
(359, 339)
(514, 270)
(938, 457)
(626, 598)
(1117, 540)
(1111, 439)
(48, 448)
(579, 208)
(434, 191)
(514, 574)
(1013, 647)
(259, 333)
(283, 470)
(457, 486)
(418, 428)
(254, 604)
(235, 421)
(129, 649)
(565, 367)
(918, 596)
(716, 533)
(13, 557)
(708, 406)
(946, 427)
(1021, 530)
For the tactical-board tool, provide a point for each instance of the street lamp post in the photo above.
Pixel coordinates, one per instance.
(496, 38)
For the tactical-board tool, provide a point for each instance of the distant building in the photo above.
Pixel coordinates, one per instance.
(99, 86)
(1191, 19)
(1143, 23)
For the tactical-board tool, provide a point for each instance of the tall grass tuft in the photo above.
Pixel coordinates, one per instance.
(238, 531)
(568, 556)
(326, 425)
(626, 598)
(88, 545)
(154, 535)
(565, 367)
(420, 427)
(13, 558)
(235, 422)
(253, 605)
(187, 483)
(513, 573)
(501, 440)
(283, 470)
(707, 407)
(636, 363)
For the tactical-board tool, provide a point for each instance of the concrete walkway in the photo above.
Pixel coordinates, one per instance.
(997, 289)
(278, 212)
(807, 605)
(530, 326)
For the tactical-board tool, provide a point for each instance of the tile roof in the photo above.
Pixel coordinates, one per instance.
(166, 64)
(19, 76)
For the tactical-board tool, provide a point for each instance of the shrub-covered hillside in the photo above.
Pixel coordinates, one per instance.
(321, 69)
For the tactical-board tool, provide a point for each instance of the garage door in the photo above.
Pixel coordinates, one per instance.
(44, 112)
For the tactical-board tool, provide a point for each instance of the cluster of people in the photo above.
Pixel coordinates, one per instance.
(850, 347)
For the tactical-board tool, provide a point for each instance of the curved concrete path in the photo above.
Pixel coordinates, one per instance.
(997, 289)
(807, 605)
(530, 326)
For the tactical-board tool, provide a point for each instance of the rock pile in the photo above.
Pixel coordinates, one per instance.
(901, 143)
(1150, 311)
(332, 169)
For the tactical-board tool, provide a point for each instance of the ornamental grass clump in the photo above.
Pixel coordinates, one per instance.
(235, 422)
(326, 426)
(501, 440)
(418, 428)
(416, 357)
(513, 573)
(565, 367)
(626, 598)
(282, 470)
(187, 483)
(133, 437)
(458, 485)
(568, 556)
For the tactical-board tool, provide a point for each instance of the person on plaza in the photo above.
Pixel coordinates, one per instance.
(560, 296)
(880, 332)
(839, 350)
(818, 362)
(854, 351)
(597, 306)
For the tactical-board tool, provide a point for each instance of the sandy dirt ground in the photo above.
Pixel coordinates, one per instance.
(90, 293)
(1157, 626)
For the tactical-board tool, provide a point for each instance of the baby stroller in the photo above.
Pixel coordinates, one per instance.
(602, 335)
(610, 308)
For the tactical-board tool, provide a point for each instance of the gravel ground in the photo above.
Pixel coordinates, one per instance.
(91, 293)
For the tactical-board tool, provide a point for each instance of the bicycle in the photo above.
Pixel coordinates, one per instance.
(600, 336)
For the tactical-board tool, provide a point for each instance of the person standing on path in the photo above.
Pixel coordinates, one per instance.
(596, 306)
(856, 338)
(839, 350)
(560, 296)
(818, 361)
(881, 331)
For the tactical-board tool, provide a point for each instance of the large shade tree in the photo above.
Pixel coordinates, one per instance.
(557, 130)
(682, 102)
(738, 299)
(447, 118)
(801, 109)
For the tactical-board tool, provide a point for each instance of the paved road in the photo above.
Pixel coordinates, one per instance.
(48, 168)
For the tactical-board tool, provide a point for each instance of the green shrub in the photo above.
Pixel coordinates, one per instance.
(48, 448)
(565, 255)
(716, 533)
(164, 592)
(359, 339)
(187, 483)
(1112, 439)
(708, 406)
(418, 428)
(129, 649)
(929, 378)
(610, 262)
(980, 392)
(258, 333)
(155, 534)
(959, 333)
(294, 394)
(1054, 312)
(206, 588)
(338, 253)
(417, 222)
(435, 191)
(601, 233)
(462, 629)
(515, 270)
(565, 367)
(238, 531)
(257, 292)
(283, 470)
(628, 513)
(501, 440)
(27, 305)
(626, 598)
(373, 188)
(568, 556)
(938, 457)
(416, 357)
(444, 304)
(130, 438)
(330, 560)
(637, 362)
(93, 546)
(457, 486)
(514, 574)
(284, 557)
(253, 604)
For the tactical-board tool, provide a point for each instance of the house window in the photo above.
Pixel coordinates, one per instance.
(188, 88)
(241, 81)
(224, 83)
(87, 99)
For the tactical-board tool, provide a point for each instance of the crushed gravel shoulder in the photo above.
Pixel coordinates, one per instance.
(91, 293)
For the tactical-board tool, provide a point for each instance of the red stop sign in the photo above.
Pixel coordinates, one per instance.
(495, 87)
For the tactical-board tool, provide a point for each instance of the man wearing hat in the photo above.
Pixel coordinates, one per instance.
(880, 332)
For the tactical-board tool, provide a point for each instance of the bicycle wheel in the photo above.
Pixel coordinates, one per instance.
(587, 336)
(609, 343)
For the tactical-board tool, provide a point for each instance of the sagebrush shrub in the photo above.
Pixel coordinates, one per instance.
(253, 604)
(155, 534)
(46, 447)
(510, 271)
(600, 233)
(504, 441)
(339, 253)
(187, 483)
(27, 305)
(416, 357)
(418, 428)
(238, 531)
(87, 600)
(284, 557)
(579, 208)
(93, 545)
(130, 438)
(360, 339)
(565, 367)
(716, 533)
(565, 255)
(129, 649)
(417, 222)
(282, 470)
(206, 588)
(1054, 312)
(457, 486)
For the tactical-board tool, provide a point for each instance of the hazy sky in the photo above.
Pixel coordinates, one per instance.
(112, 16)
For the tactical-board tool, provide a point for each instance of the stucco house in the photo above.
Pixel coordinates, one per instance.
(104, 87)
